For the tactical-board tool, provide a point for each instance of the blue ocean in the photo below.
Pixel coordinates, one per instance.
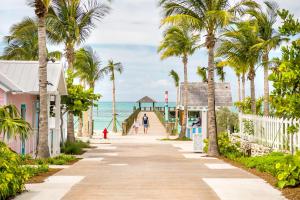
(103, 113)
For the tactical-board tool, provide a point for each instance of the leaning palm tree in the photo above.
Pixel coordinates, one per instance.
(41, 11)
(71, 23)
(209, 16)
(176, 80)
(111, 68)
(180, 41)
(12, 124)
(271, 39)
(87, 64)
(22, 42)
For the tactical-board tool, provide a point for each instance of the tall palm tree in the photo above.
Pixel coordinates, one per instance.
(12, 124)
(271, 39)
(71, 22)
(180, 41)
(41, 11)
(87, 64)
(22, 42)
(111, 68)
(176, 80)
(209, 16)
(237, 47)
(202, 72)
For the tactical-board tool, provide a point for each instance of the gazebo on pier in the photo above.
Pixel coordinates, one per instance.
(146, 100)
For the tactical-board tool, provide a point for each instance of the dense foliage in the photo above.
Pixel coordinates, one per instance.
(78, 99)
(245, 106)
(227, 120)
(286, 82)
(74, 148)
(12, 175)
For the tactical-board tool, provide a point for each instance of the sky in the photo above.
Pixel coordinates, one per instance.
(130, 34)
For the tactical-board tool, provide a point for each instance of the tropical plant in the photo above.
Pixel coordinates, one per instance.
(180, 41)
(271, 39)
(209, 16)
(237, 46)
(202, 72)
(244, 106)
(71, 23)
(111, 68)
(12, 175)
(22, 42)
(87, 64)
(176, 80)
(12, 124)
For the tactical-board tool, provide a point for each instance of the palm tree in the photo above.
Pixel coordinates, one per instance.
(41, 11)
(111, 68)
(271, 39)
(202, 72)
(22, 42)
(12, 124)
(176, 80)
(71, 23)
(180, 41)
(87, 63)
(209, 16)
(238, 48)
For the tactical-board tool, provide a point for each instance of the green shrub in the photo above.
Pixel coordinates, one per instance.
(228, 149)
(73, 148)
(61, 159)
(34, 171)
(288, 171)
(12, 175)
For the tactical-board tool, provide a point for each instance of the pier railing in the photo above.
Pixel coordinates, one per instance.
(127, 123)
(169, 126)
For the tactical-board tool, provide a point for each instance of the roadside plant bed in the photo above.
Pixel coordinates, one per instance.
(292, 193)
(75, 148)
(40, 177)
(285, 168)
(176, 139)
(58, 160)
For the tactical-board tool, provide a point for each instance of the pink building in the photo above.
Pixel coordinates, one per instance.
(19, 85)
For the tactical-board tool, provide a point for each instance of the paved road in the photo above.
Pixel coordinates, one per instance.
(144, 168)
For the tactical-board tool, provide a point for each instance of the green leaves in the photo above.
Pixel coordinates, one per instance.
(78, 99)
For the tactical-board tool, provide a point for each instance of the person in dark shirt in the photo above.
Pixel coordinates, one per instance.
(145, 122)
(197, 123)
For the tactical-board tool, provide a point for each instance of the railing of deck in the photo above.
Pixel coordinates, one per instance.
(127, 123)
(270, 131)
(169, 126)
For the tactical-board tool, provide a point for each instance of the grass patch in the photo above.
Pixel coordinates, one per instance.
(74, 148)
(58, 160)
(176, 139)
(40, 178)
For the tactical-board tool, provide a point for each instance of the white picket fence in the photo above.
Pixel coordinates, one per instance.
(270, 131)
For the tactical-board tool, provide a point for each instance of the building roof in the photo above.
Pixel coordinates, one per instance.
(197, 94)
(146, 99)
(22, 76)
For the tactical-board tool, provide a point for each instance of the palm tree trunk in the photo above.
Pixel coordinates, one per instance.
(213, 149)
(243, 86)
(252, 89)
(91, 116)
(176, 111)
(80, 125)
(43, 148)
(266, 84)
(185, 98)
(70, 59)
(239, 87)
(114, 122)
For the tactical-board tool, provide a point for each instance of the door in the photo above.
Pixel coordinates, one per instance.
(23, 115)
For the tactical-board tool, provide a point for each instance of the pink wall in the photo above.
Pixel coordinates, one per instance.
(28, 100)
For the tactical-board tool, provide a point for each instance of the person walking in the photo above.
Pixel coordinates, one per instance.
(136, 126)
(145, 122)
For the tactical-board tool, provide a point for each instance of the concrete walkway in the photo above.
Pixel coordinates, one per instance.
(144, 168)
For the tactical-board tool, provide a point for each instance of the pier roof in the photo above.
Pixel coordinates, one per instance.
(146, 99)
